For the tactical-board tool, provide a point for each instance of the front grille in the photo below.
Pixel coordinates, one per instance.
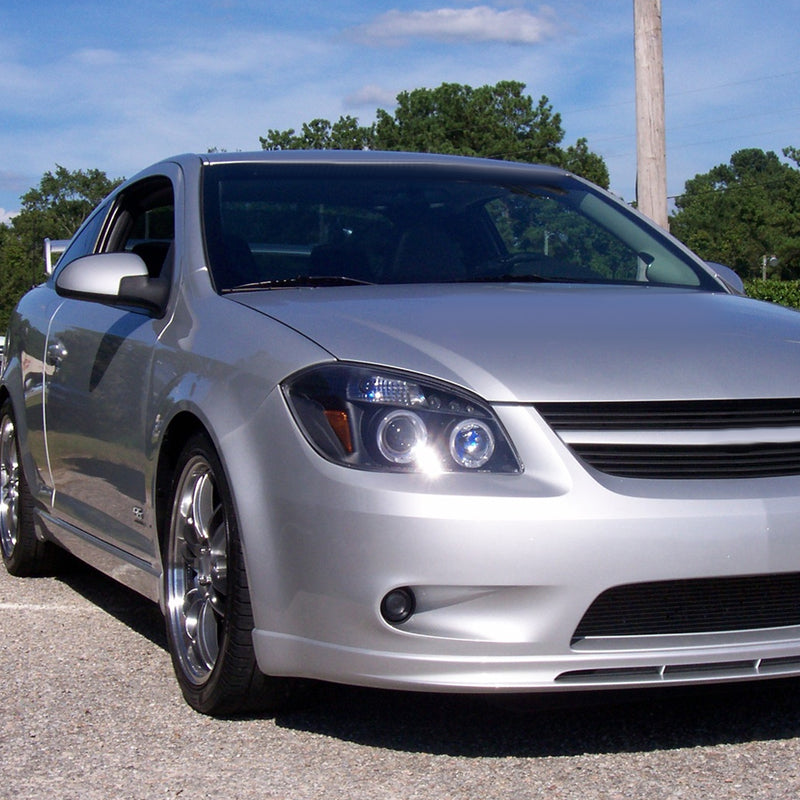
(667, 461)
(683, 414)
(682, 439)
(703, 605)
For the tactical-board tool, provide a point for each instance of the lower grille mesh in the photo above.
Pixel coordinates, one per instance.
(705, 605)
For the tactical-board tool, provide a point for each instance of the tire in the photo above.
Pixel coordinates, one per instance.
(208, 613)
(23, 554)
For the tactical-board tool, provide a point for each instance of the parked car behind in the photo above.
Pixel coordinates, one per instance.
(408, 421)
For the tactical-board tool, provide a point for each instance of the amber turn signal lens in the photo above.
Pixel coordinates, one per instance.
(341, 427)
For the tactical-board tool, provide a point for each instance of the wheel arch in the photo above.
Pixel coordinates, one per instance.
(26, 460)
(180, 429)
(214, 662)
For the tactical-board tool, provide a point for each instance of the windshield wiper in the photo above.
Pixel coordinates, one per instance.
(299, 280)
(509, 278)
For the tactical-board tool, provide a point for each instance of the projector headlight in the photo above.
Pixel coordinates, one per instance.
(379, 419)
(471, 443)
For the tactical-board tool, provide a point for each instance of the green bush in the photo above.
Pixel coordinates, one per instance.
(786, 293)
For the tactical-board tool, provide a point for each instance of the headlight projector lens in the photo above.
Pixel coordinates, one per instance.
(401, 436)
(471, 443)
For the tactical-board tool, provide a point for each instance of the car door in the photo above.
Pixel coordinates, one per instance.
(35, 311)
(98, 365)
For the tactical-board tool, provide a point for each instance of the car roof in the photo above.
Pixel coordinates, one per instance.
(385, 158)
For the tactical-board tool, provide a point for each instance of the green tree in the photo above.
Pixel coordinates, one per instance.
(320, 134)
(494, 121)
(55, 209)
(16, 276)
(582, 161)
(498, 121)
(740, 212)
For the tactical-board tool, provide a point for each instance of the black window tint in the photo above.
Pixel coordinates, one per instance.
(268, 225)
(85, 241)
(563, 240)
(144, 224)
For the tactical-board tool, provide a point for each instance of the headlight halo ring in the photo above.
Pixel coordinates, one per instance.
(340, 406)
(400, 435)
(472, 443)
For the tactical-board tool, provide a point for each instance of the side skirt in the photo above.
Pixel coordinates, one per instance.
(135, 573)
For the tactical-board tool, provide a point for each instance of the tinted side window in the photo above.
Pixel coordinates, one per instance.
(143, 222)
(85, 241)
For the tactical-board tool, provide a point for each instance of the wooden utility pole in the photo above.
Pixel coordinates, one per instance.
(651, 142)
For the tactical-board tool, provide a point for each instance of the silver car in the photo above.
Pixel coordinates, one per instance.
(408, 421)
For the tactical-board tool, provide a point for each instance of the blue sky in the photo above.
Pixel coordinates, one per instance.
(88, 84)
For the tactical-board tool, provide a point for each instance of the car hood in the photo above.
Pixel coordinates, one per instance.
(555, 342)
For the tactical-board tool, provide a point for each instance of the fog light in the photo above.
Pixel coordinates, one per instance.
(398, 605)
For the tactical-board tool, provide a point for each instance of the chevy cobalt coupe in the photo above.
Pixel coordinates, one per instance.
(408, 421)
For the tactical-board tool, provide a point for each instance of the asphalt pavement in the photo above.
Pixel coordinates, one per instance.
(89, 710)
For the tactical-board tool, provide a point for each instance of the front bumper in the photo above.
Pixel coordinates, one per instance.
(503, 568)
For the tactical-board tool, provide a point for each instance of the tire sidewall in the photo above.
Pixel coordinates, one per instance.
(233, 662)
(22, 558)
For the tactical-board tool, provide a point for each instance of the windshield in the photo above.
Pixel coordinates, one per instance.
(284, 226)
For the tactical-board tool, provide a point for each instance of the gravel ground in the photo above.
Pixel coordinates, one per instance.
(89, 710)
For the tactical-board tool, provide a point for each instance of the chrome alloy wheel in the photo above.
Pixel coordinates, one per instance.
(197, 571)
(9, 486)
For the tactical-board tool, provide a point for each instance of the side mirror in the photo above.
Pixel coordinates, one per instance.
(730, 278)
(115, 278)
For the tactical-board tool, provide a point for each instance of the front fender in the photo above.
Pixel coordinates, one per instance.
(23, 379)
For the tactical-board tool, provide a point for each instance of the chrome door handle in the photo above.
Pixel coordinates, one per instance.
(56, 353)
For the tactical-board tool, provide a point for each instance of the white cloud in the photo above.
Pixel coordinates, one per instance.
(99, 99)
(5, 216)
(120, 110)
(477, 24)
(372, 96)
(98, 58)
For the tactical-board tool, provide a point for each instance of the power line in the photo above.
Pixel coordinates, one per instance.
(735, 83)
(734, 187)
(713, 88)
(686, 145)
